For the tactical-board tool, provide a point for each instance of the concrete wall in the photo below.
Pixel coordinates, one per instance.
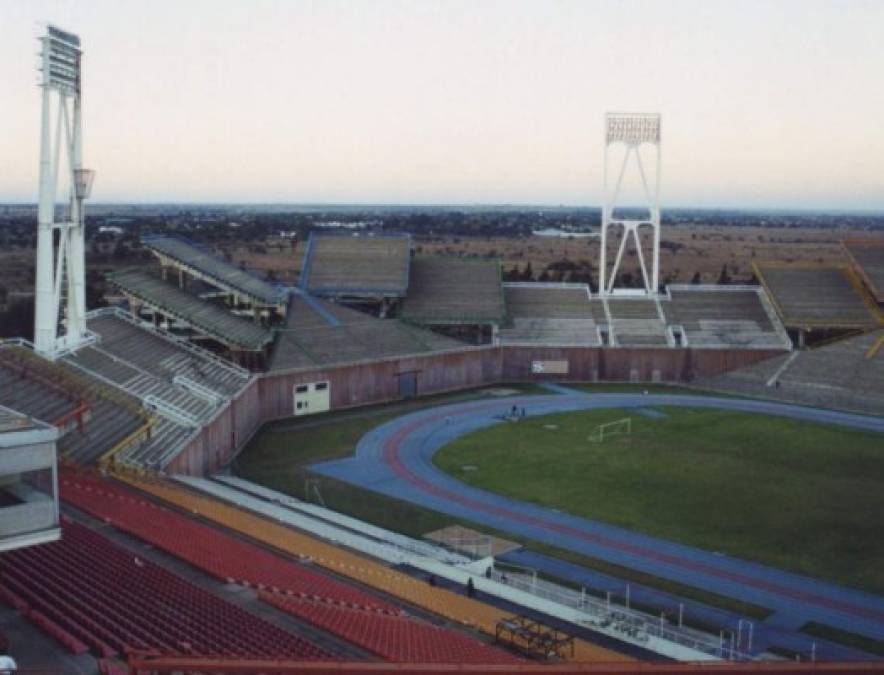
(224, 436)
(271, 396)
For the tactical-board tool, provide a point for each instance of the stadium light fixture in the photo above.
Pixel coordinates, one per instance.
(634, 131)
(60, 287)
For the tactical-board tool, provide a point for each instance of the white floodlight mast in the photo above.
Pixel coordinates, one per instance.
(634, 131)
(60, 284)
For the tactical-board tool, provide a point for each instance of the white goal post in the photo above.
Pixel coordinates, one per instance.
(622, 427)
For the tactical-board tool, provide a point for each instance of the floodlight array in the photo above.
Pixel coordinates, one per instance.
(61, 60)
(632, 129)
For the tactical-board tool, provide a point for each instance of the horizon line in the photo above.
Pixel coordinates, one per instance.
(451, 205)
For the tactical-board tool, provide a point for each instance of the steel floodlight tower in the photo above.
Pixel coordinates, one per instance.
(60, 284)
(633, 131)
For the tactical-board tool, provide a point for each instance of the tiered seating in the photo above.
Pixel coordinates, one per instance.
(556, 301)
(57, 394)
(636, 322)
(139, 383)
(437, 600)
(87, 591)
(29, 392)
(454, 291)
(560, 332)
(394, 638)
(221, 555)
(109, 424)
(310, 339)
(354, 266)
(165, 441)
(163, 357)
(724, 317)
(204, 265)
(837, 375)
(842, 364)
(816, 296)
(553, 314)
(201, 315)
(867, 255)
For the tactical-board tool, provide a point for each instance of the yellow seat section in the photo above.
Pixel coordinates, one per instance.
(413, 591)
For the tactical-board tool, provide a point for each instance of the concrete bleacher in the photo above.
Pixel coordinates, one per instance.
(867, 256)
(842, 375)
(450, 291)
(207, 267)
(549, 314)
(636, 322)
(201, 315)
(371, 266)
(816, 296)
(724, 316)
(93, 418)
(534, 300)
(337, 335)
(181, 385)
(141, 384)
(151, 350)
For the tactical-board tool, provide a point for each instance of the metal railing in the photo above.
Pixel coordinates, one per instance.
(629, 623)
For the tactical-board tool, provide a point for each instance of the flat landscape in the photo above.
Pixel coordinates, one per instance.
(790, 494)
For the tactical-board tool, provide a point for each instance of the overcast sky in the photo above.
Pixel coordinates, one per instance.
(764, 104)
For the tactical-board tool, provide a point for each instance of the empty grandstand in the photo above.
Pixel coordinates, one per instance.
(847, 374)
(556, 314)
(83, 590)
(347, 266)
(318, 332)
(242, 287)
(181, 310)
(808, 297)
(724, 316)
(867, 256)
(635, 321)
(94, 420)
(454, 291)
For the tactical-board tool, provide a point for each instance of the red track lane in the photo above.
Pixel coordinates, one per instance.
(392, 455)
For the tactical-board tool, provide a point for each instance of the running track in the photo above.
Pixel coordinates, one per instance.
(396, 459)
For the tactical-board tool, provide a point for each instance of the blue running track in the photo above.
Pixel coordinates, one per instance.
(396, 459)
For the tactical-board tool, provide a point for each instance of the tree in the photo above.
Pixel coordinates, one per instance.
(528, 273)
(696, 279)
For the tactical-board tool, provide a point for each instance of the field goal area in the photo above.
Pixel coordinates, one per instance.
(622, 427)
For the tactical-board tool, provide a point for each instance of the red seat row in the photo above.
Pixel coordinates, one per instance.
(400, 639)
(86, 590)
(221, 555)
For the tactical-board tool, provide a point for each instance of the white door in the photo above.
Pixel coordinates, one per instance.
(312, 397)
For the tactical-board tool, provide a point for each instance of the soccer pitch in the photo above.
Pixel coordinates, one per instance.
(800, 496)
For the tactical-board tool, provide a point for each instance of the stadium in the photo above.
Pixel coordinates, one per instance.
(404, 463)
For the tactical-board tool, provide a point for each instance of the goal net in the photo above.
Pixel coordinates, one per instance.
(616, 428)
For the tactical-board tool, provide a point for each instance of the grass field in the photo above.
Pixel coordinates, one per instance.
(279, 457)
(795, 495)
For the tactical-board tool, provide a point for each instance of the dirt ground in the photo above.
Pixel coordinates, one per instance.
(685, 250)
